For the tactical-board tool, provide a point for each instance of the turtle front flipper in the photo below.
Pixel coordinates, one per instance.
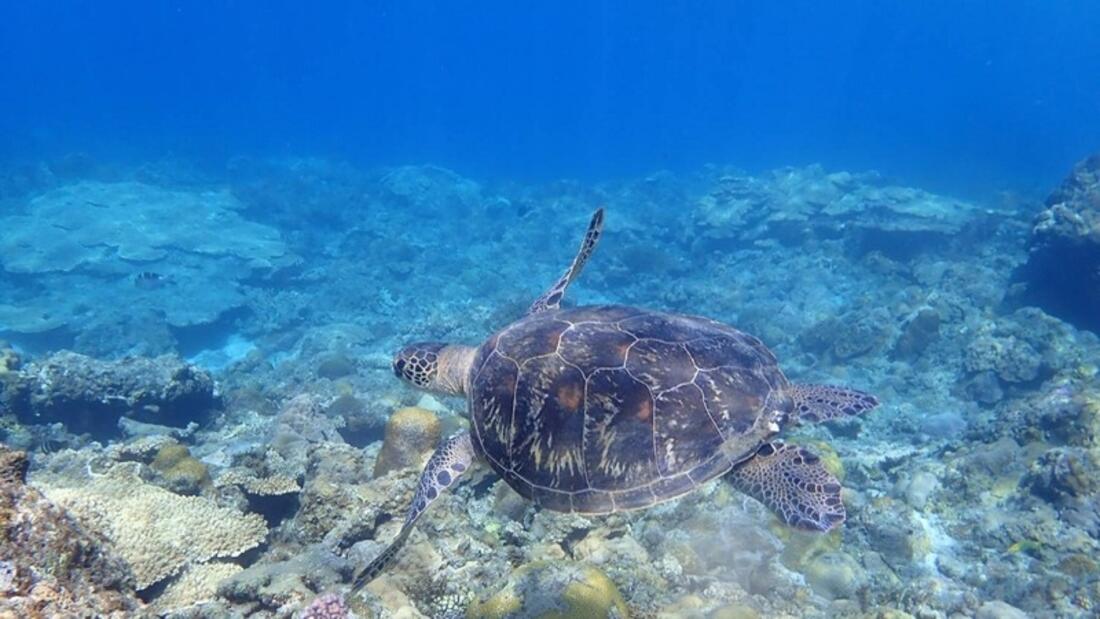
(453, 458)
(551, 299)
(814, 403)
(792, 482)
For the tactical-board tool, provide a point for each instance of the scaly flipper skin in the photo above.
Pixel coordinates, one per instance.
(551, 299)
(453, 458)
(792, 482)
(813, 403)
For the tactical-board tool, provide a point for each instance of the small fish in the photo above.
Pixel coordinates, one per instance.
(148, 280)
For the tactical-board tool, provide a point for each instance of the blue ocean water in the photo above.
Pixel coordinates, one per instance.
(971, 97)
(259, 259)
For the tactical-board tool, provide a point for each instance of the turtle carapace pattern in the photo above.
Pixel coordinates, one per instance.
(599, 409)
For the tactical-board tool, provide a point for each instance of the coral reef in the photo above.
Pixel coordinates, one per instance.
(260, 486)
(335, 365)
(972, 492)
(284, 585)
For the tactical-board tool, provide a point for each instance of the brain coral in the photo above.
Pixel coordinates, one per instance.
(157, 532)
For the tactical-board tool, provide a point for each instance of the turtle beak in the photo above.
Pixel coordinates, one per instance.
(399, 366)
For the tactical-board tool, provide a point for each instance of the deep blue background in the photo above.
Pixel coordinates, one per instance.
(959, 96)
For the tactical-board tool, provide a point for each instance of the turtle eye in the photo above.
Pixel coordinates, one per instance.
(399, 367)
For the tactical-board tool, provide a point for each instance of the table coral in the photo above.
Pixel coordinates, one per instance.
(261, 486)
(106, 223)
(197, 584)
(785, 202)
(95, 253)
(157, 532)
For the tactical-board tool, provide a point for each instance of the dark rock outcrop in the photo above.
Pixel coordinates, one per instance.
(90, 395)
(1062, 274)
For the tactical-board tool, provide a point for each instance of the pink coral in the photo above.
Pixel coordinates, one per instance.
(326, 606)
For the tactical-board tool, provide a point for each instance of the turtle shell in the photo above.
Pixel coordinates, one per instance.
(608, 408)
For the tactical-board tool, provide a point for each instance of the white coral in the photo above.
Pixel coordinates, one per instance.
(197, 584)
(263, 486)
(157, 532)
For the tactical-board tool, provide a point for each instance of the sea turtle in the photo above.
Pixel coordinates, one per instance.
(607, 408)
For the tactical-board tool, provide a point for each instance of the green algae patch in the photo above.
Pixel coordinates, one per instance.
(1026, 546)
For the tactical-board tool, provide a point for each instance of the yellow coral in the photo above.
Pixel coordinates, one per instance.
(169, 455)
(554, 590)
(411, 432)
(593, 596)
(176, 464)
(1025, 546)
(501, 606)
(802, 547)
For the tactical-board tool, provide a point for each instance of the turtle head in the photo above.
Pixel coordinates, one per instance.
(435, 366)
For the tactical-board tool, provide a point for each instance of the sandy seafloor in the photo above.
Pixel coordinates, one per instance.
(972, 490)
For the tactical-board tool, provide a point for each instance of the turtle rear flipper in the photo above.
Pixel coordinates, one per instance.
(551, 299)
(792, 482)
(814, 403)
(453, 458)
